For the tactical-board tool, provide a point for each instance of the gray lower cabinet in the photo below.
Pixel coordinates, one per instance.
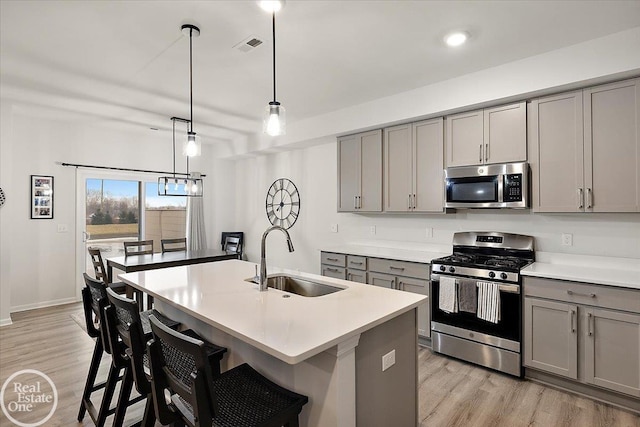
(581, 336)
(386, 273)
(550, 337)
(333, 265)
(357, 268)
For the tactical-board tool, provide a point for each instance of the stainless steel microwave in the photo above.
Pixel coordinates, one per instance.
(488, 186)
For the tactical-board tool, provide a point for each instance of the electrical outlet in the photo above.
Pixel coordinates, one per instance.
(567, 239)
(63, 228)
(428, 232)
(372, 230)
(334, 228)
(388, 360)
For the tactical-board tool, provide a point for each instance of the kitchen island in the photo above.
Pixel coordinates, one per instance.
(329, 348)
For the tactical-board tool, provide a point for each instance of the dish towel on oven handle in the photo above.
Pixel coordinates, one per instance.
(489, 301)
(448, 298)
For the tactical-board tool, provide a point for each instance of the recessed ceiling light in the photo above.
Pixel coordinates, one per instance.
(456, 39)
(271, 6)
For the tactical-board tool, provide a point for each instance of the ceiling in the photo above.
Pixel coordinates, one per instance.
(126, 62)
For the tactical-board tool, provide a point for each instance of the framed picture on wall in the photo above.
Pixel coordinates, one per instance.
(41, 197)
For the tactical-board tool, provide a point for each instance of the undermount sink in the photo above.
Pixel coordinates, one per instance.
(298, 286)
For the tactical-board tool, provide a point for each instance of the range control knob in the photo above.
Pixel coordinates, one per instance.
(452, 270)
(503, 276)
(443, 268)
(492, 274)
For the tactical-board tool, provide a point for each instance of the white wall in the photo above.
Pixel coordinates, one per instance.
(313, 170)
(38, 264)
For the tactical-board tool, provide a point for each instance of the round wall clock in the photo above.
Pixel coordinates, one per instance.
(283, 203)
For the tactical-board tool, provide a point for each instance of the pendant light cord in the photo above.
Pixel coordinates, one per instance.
(191, 75)
(174, 147)
(274, 54)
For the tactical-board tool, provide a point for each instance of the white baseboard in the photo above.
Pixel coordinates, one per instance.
(43, 304)
(5, 322)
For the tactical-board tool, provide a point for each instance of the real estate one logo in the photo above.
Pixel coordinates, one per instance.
(28, 398)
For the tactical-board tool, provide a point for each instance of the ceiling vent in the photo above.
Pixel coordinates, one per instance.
(248, 44)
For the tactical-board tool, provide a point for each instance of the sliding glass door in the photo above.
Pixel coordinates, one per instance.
(115, 207)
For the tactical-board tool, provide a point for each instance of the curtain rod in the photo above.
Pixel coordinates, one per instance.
(126, 169)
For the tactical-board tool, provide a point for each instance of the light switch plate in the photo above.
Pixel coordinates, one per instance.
(63, 228)
(372, 230)
(334, 228)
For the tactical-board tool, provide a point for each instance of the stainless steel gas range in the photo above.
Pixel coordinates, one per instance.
(476, 300)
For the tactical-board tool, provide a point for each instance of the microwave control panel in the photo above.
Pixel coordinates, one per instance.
(512, 189)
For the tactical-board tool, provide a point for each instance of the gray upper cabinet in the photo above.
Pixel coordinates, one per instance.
(360, 172)
(584, 150)
(612, 147)
(413, 164)
(492, 135)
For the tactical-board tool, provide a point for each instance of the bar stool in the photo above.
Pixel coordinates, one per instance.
(129, 330)
(239, 397)
(94, 299)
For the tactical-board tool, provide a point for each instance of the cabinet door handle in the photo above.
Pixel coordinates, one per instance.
(391, 267)
(409, 202)
(355, 202)
(571, 320)
(486, 152)
(590, 324)
(332, 259)
(359, 202)
(589, 197)
(353, 262)
(580, 198)
(480, 154)
(414, 201)
(335, 270)
(591, 295)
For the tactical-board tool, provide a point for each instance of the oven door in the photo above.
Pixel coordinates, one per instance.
(469, 326)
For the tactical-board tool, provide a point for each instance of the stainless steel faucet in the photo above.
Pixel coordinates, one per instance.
(263, 256)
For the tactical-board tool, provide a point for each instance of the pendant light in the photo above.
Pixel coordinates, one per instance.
(189, 186)
(274, 122)
(191, 147)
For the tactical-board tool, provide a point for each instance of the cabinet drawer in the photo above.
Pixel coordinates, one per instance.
(382, 280)
(583, 293)
(356, 262)
(330, 258)
(354, 275)
(335, 272)
(400, 268)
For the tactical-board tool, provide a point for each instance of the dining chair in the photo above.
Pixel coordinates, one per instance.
(232, 245)
(101, 273)
(233, 241)
(129, 330)
(174, 245)
(94, 300)
(140, 247)
(239, 397)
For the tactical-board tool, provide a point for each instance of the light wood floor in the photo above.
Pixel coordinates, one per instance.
(452, 393)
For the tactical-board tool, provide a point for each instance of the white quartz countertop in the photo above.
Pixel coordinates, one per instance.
(600, 275)
(292, 328)
(388, 253)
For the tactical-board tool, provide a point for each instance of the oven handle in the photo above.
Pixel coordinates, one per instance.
(509, 289)
(503, 287)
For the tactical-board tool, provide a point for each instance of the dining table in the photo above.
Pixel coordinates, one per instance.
(134, 263)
